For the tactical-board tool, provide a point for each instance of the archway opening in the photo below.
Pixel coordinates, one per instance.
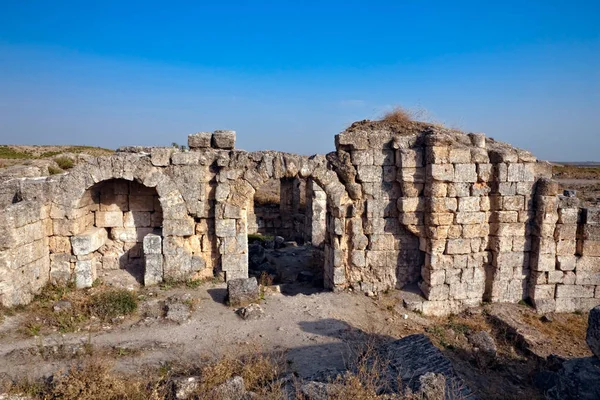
(128, 212)
(286, 234)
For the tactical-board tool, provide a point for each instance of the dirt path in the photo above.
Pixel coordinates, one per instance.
(316, 331)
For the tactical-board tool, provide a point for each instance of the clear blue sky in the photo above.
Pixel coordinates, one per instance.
(290, 75)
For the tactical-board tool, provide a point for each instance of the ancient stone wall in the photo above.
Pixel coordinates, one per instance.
(457, 219)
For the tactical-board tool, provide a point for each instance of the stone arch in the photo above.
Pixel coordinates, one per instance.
(238, 183)
(71, 216)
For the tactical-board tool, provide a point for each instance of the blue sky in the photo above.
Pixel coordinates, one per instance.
(290, 76)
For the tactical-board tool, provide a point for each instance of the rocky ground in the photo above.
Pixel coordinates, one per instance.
(498, 350)
(34, 161)
(585, 180)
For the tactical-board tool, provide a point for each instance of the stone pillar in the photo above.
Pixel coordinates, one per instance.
(153, 259)
(232, 232)
(316, 214)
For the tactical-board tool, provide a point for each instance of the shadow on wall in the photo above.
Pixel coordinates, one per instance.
(128, 211)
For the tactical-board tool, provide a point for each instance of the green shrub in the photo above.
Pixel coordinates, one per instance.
(64, 162)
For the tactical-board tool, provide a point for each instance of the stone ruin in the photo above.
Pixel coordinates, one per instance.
(453, 219)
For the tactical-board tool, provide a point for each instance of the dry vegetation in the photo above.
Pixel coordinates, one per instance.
(78, 309)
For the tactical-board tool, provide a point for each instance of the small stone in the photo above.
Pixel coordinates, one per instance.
(62, 305)
(251, 312)
(178, 312)
(546, 318)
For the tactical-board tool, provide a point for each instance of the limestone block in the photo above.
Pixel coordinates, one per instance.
(555, 277)
(225, 227)
(437, 154)
(469, 204)
(588, 277)
(591, 232)
(566, 247)
(161, 156)
(185, 158)
(410, 204)
(153, 269)
(507, 229)
(459, 189)
(383, 157)
(223, 139)
(566, 232)
(410, 174)
(179, 227)
(591, 248)
(591, 216)
(435, 293)
(440, 172)
(459, 155)
(59, 244)
(85, 273)
(141, 219)
(574, 291)
(439, 218)
(409, 158)
(199, 140)
(89, 241)
(114, 202)
(513, 203)
(152, 244)
(479, 156)
(60, 268)
(109, 219)
(566, 263)
(362, 157)
(352, 140)
(541, 292)
(543, 262)
(458, 246)
(433, 277)
(466, 218)
(367, 173)
(436, 189)
(69, 227)
(475, 231)
(465, 173)
(358, 259)
(141, 203)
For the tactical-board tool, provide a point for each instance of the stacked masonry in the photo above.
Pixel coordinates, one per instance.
(458, 218)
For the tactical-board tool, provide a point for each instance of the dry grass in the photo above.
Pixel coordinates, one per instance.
(397, 117)
(100, 304)
(575, 172)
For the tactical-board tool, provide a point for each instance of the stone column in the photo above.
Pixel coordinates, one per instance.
(316, 214)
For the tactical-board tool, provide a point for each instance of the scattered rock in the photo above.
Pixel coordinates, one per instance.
(185, 387)
(278, 241)
(256, 255)
(242, 291)
(414, 356)
(233, 389)
(577, 379)
(251, 312)
(547, 318)
(484, 342)
(317, 390)
(62, 305)
(593, 331)
(177, 312)
(432, 386)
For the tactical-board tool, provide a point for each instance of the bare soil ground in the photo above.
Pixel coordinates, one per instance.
(584, 179)
(315, 333)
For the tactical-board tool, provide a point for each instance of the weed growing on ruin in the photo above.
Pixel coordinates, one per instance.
(64, 162)
(52, 170)
(398, 117)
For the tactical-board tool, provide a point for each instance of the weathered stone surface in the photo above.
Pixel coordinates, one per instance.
(89, 241)
(200, 140)
(242, 291)
(223, 140)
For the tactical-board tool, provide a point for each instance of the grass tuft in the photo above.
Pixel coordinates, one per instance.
(64, 162)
